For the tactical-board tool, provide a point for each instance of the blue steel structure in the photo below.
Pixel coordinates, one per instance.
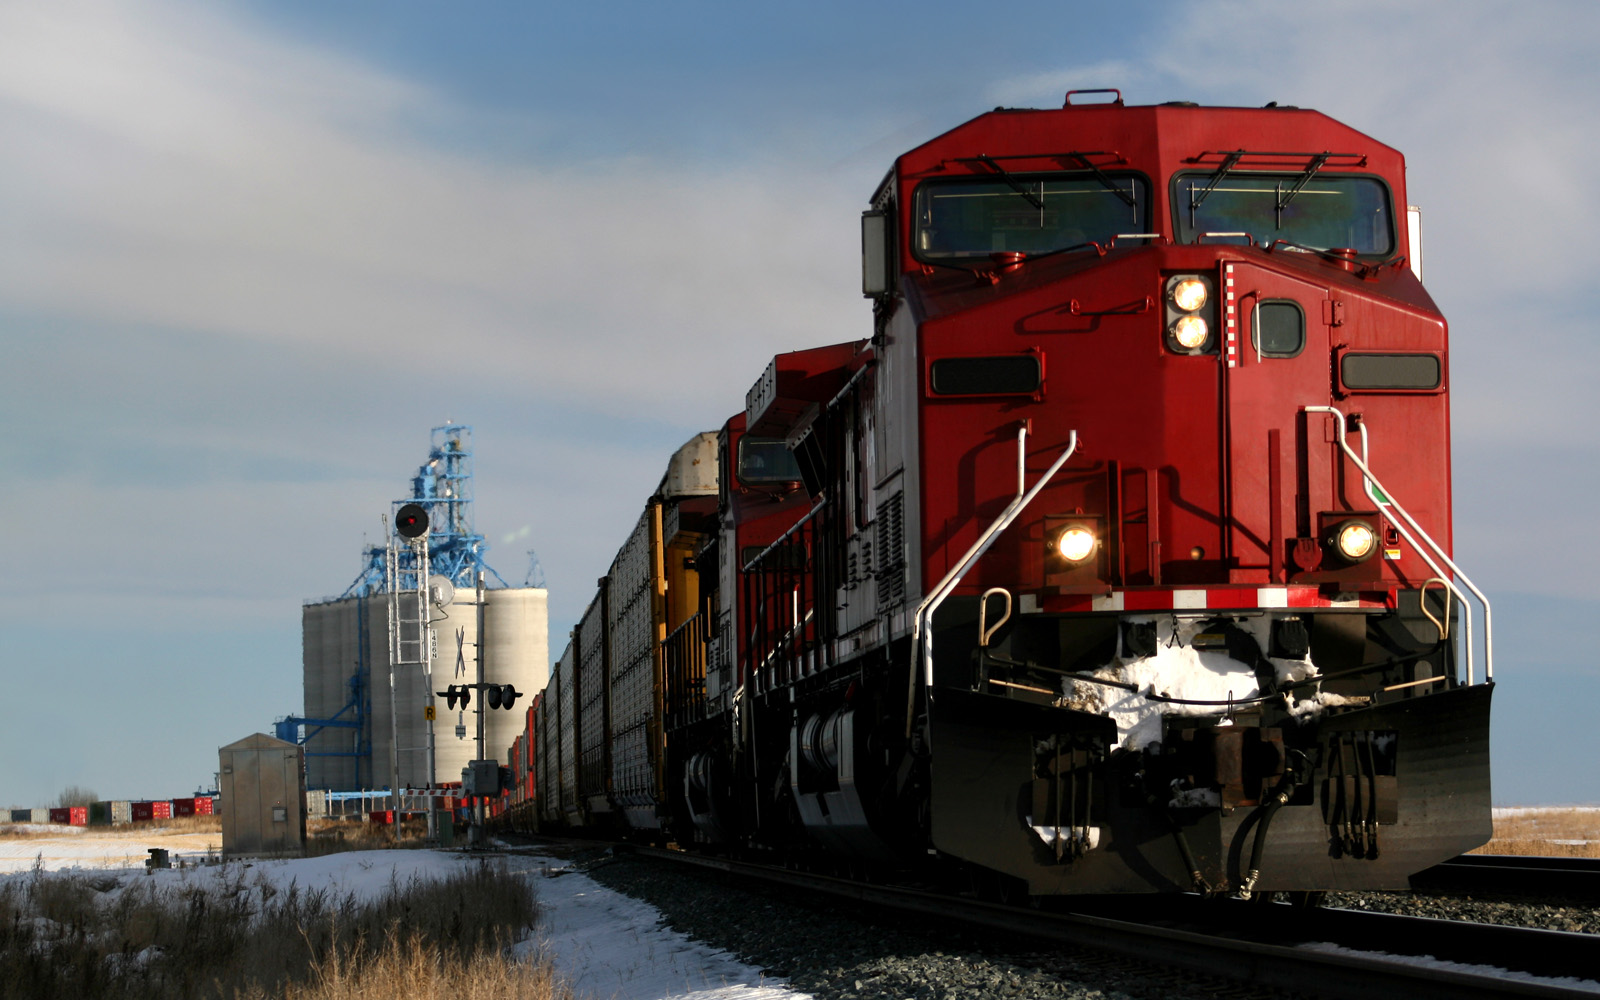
(443, 486)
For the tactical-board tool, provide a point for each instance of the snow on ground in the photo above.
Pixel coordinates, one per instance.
(77, 847)
(1505, 812)
(1562, 982)
(609, 946)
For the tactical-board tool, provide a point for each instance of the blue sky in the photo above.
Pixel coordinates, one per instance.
(251, 252)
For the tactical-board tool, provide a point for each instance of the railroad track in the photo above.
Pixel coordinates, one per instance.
(1545, 878)
(1261, 945)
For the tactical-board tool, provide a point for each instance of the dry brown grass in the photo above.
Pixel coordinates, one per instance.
(331, 836)
(1557, 832)
(181, 824)
(66, 937)
(412, 969)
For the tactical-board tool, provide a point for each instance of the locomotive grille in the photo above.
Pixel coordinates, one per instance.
(891, 548)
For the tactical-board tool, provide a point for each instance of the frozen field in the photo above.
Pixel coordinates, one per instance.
(82, 847)
(606, 944)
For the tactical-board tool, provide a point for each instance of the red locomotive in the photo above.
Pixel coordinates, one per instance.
(1116, 559)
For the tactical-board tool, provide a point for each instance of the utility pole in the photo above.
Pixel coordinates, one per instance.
(477, 800)
(391, 563)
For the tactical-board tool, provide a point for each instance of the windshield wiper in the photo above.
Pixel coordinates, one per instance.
(1316, 163)
(1106, 182)
(1195, 201)
(1015, 184)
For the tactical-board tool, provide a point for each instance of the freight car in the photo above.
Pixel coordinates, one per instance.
(1116, 559)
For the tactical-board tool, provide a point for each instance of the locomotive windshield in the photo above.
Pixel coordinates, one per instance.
(766, 460)
(1325, 213)
(1029, 213)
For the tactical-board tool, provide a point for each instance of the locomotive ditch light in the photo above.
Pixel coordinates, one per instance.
(1355, 540)
(1189, 294)
(1190, 332)
(1074, 543)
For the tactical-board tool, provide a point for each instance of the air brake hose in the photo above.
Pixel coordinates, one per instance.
(1279, 798)
(1195, 877)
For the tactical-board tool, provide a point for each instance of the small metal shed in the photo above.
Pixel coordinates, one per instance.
(263, 783)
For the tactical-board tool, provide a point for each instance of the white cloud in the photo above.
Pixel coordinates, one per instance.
(174, 169)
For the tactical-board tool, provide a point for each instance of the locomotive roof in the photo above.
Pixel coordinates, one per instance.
(1160, 136)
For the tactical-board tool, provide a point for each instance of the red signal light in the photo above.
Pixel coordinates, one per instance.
(411, 521)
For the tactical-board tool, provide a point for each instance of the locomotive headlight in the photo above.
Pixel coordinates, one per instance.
(1190, 332)
(1355, 540)
(1189, 294)
(1075, 544)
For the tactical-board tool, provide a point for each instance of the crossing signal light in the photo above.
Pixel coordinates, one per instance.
(453, 694)
(496, 695)
(411, 521)
(501, 695)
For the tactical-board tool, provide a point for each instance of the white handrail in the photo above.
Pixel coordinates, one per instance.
(1395, 506)
(923, 620)
(1466, 623)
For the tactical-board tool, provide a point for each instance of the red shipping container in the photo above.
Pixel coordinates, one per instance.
(382, 816)
(142, 812)
(161, 810)
(181, 807)
(61, 815)
(71, 815)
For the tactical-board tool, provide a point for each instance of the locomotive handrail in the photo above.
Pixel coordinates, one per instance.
(815, 509)
(922, 622)
(1388, 510)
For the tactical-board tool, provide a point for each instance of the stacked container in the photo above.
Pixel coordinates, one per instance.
(114, 812)
(144, 812)
(635, 728)
(594, 708)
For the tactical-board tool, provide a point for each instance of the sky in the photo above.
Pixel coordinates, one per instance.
(251, 251)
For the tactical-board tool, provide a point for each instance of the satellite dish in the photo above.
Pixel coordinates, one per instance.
(440, 591)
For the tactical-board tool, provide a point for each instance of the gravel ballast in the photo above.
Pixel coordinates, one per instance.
(1511, 911)
(835, 949)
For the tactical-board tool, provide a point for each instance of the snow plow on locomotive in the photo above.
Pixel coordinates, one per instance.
(1117, 559)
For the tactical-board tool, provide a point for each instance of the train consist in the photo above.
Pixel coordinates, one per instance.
(1115, 559)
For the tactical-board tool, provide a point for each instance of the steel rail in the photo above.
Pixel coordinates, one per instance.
(1297, 970)
(1570, 878)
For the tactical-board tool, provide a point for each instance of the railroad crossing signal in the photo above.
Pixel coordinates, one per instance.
(496, 695)
(501, 695)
